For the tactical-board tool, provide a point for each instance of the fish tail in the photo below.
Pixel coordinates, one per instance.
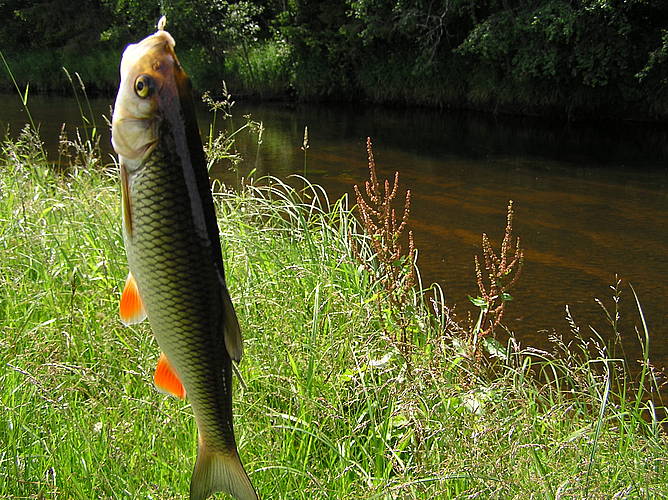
(219, 471)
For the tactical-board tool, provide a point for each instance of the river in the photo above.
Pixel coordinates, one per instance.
(591, 201)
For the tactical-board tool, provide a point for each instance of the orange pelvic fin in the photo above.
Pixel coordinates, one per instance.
(166, 379)
(131, 307)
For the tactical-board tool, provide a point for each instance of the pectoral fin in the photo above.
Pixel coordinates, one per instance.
(131, 308)
(232, 331)
(166, 379)
(125, 201)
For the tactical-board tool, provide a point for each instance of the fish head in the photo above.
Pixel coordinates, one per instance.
(150, 92)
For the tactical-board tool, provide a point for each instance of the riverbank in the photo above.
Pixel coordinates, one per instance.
(331, 407)
(262, 73)
(270, 71)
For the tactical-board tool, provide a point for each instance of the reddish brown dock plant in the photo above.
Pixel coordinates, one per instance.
(391, 266)
(500, 274)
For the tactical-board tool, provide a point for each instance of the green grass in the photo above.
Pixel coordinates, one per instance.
(331, 409)
(43, 70)
(262, 70)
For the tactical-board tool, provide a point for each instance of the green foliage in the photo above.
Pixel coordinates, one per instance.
(263, 70)
(42, 69)
(572, 58)
(329, 410)
(556, 42)
(74, 26)
(548, 56)
(431, 29)
(655, 73)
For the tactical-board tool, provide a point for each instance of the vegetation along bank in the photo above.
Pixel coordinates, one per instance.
(356, 383)
(569, 59)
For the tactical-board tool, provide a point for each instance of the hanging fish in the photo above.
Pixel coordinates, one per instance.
(172, 243)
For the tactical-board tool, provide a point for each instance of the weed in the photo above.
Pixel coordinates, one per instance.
(88, 117)
(24, 101)
(501, 273)
(391, 267)
(220, 145)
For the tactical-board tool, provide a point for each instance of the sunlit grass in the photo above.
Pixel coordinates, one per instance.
(330, 408)
(264, 70)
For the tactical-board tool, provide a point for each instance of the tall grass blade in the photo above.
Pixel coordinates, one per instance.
(85, 120)
(599, 423)
(644, 341)
(24, 98)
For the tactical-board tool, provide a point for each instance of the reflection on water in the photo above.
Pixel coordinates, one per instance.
(590, 202)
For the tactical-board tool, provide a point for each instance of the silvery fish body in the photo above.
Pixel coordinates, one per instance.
(172, 242)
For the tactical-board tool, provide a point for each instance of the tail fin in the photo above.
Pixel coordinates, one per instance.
(216, 471)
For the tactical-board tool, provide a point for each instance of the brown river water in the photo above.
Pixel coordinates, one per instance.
(591, 201)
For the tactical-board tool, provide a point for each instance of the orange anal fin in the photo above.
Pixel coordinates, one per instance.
(167, 380)
(131, 307)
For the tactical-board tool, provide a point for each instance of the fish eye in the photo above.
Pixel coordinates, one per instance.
(144, 86)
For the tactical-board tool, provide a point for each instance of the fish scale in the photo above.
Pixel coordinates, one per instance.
(180, 292)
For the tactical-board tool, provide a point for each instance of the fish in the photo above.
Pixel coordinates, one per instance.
(176, 275)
